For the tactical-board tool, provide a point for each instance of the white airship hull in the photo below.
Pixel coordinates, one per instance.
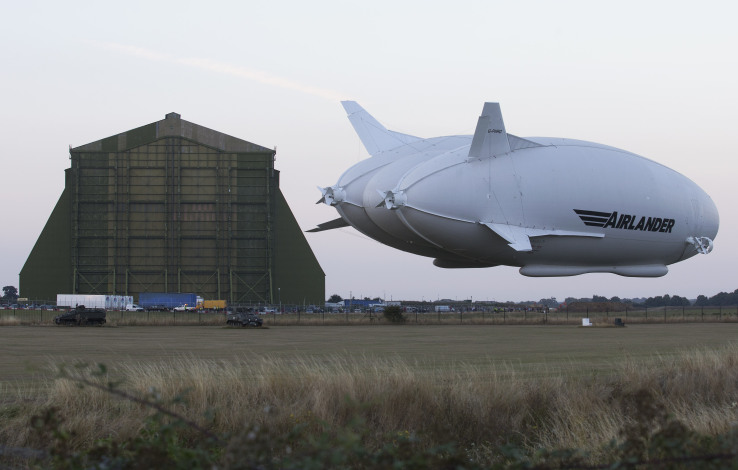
(553, 207)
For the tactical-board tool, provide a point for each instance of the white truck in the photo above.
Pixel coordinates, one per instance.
(108, 302)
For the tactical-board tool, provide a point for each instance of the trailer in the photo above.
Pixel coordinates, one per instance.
(104, 301)
(212, 305)
(166, 300)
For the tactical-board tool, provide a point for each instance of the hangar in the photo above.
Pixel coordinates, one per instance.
(173, 206)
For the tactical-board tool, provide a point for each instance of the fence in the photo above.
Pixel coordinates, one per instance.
(472, 317)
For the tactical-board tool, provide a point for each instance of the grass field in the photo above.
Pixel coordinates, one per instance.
(528, 350)
(481, 386)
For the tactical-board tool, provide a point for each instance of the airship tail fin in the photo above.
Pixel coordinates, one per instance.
(375, 137)
(330, 225)
(519, 237)
(491, 139)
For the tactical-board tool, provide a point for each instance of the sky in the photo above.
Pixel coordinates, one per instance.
(655, 78)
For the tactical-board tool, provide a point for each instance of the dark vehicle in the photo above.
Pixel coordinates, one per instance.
(244, 319)
(157, 308)
(81, 316)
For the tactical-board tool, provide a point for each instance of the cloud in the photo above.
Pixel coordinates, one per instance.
(223, 68)
(135, 51)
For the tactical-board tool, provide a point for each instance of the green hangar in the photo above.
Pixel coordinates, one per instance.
(173, 207)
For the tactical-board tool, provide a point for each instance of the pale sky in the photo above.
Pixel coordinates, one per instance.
(655, 78)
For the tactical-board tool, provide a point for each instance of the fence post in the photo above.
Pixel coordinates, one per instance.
(646, 314)
(702, 312)
(665, 307)
(626, 314)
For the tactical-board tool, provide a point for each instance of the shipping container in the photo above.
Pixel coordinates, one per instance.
(166, 300)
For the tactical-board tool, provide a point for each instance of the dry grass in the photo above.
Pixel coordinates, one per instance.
(477, 406)
(10, 321)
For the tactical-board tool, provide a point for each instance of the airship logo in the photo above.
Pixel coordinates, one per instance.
(625, 221)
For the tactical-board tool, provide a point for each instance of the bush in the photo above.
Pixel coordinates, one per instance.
(394, 314)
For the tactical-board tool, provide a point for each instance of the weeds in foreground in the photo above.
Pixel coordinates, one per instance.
(362, 413)
(651, 440)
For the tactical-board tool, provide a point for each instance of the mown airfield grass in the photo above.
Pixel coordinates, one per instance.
(523, 351)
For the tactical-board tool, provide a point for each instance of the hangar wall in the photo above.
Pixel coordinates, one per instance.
(174, 207)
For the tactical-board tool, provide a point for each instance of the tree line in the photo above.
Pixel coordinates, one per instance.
(720, 299)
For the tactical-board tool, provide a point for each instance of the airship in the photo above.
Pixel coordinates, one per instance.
(550, 206)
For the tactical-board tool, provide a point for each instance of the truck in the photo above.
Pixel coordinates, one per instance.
(80, 316)
(105, 301)
(212, 305)
(166, 300)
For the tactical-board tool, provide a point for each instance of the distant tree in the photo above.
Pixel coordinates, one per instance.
(677, 301)
(615, 299)
(667, 301)
(654, 301)
(551, 302)
(599, 298)
(10, 293)
(393, 313)
(335, 298)
(702, 300)
(724, 298)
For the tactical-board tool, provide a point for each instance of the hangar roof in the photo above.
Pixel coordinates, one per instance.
(171, 126)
